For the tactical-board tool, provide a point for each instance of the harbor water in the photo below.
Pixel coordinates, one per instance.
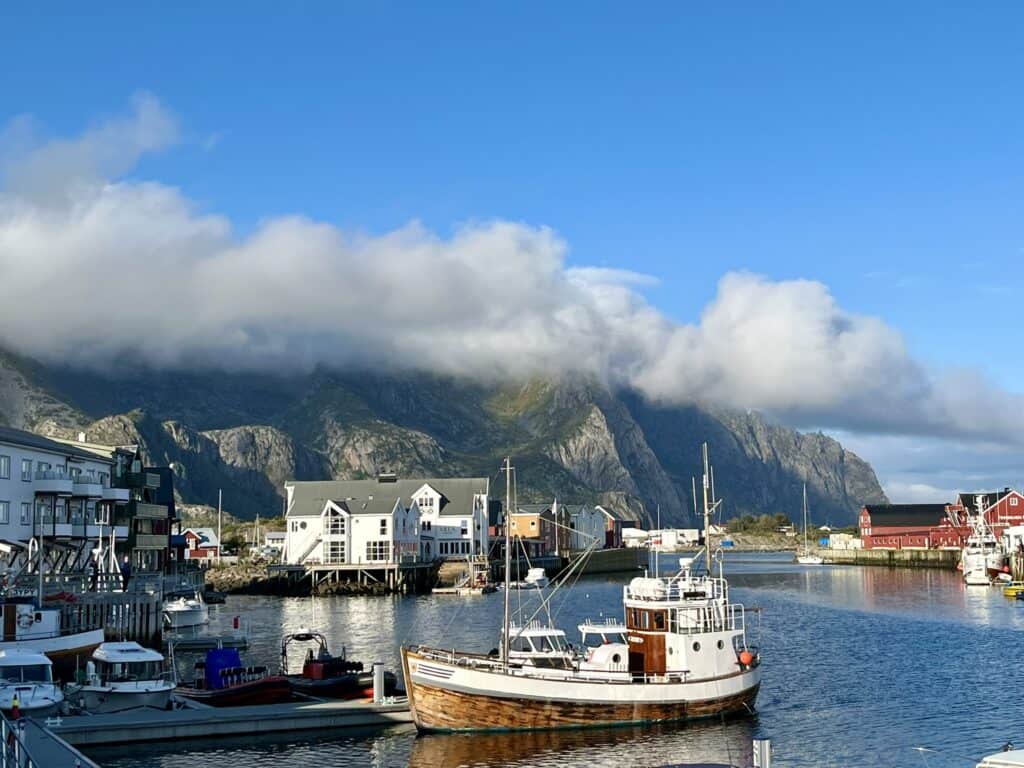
(862, 667)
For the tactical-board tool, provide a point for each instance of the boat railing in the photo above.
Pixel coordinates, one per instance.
(698, 620)
(14, 749)
(678, 589)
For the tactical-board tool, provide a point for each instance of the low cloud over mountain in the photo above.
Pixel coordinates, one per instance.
(494, 299)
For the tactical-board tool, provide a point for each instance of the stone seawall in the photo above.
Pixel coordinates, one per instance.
(894, 558)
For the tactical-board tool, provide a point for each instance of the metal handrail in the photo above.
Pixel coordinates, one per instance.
(14, 752)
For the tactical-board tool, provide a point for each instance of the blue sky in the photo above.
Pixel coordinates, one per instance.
(874, 148)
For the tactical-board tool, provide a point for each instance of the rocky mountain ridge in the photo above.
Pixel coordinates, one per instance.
(572, 439)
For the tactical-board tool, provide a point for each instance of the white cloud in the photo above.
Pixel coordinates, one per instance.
(95, 267)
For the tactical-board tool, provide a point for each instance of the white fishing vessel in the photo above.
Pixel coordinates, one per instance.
(685, 656)
(982, 559)
(26, 676)
(124, 676)
(805, 556)
(184, 611)
(27, 626)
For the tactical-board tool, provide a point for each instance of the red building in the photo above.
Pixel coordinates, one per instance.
(932, 526)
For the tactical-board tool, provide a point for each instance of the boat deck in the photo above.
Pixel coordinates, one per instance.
(156, 725)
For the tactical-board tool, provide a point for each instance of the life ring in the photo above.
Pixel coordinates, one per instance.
(25, 620)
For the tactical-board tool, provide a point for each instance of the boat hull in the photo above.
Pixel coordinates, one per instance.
(462, 703)
(354, 686)
(101, 699)
(189, 617)
(268, 690)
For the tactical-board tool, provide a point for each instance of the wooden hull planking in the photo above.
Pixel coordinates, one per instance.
(439, 709)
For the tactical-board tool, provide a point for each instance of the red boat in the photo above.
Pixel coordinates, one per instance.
(222, 681)
(327, 676)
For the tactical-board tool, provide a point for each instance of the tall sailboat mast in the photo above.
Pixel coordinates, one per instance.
(707, 511)
(508, 559)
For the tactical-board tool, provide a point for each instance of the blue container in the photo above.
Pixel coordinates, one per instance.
(216, 660)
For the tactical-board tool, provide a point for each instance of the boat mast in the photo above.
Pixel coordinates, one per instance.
(508, 558)
(707, 511)
(806, 550)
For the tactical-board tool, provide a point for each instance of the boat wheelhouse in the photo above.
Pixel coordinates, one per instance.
(125, 676)
(27, 676)
(539, 645)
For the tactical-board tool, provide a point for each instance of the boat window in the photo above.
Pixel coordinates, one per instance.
(31, 673)
(645, 618)
(544, 644)
(659, 620)
(721, 644)
(521, 644)
(696, 646)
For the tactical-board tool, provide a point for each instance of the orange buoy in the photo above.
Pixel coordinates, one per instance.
(746, 658)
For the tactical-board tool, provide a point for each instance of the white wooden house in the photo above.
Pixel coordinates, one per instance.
(385, 520)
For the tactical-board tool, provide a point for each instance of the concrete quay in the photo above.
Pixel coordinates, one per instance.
(894, 558)
(188, 724)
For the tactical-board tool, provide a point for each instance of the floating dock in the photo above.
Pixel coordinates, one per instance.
(39, 746)
(159, 725)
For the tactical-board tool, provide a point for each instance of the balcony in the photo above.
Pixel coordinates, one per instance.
(140, 480)
(86, 486)
(117, 495)
(141, 510)
(53, 481)
(150, 541)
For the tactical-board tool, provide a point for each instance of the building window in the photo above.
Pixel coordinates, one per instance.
(378, 551)
(26, 513)
(335, 552)
(26, 470)
(1013, 499)
(465, 528)
(5, 512)
(384, 526)
(5, 467)
(335, 524)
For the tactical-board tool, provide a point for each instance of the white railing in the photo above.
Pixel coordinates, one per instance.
(677, 589)
(711, 618)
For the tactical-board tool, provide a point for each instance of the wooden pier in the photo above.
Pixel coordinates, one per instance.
(186, 724)
(405, 578)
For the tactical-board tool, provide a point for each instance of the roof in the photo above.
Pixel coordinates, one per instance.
(308, 497)
(40, 443)
(379, 506)
(18, 656)
(967, 500)
(125, 653)
(207, 536)
(906, 514)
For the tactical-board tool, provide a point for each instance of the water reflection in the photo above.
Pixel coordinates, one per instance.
(721, 743)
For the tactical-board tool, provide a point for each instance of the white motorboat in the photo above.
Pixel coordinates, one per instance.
(125, 676)
(186, 611)
(27, 676)
(805, 556)
(685, 656)
(1008, 758)
(535, 578)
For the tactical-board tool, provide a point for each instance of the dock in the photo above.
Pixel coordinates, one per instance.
(186, 724)
(29, 743)
(894, 558)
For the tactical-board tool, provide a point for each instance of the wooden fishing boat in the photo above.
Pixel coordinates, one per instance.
(222, 681)
(686, 656)
(327, 676)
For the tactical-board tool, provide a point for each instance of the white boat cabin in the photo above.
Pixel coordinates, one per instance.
(539, 645)
(683, 625)
(25, 666)
(124, 662)
(24, 621)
